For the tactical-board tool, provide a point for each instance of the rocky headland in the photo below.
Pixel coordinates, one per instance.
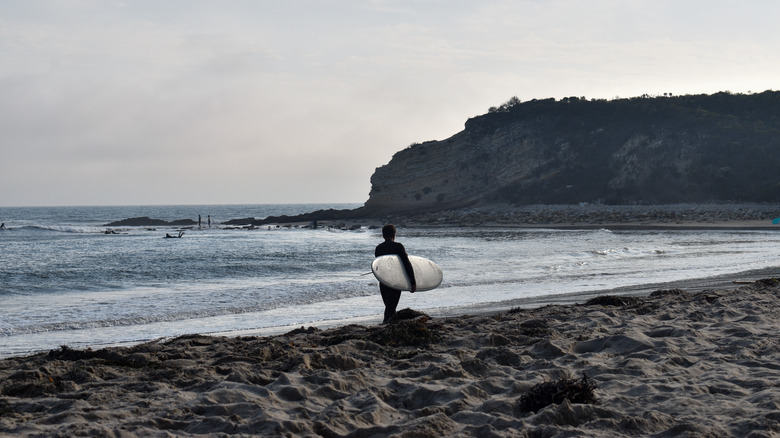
(703, 149)
(694, 160)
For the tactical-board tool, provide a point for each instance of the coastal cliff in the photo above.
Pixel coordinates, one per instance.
(647, 150)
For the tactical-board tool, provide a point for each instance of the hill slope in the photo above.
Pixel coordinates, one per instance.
(686, 149)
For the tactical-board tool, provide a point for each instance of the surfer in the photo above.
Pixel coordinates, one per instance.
(168, 235)
(391, 296)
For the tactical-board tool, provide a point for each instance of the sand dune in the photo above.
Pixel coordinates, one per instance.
(671, 364)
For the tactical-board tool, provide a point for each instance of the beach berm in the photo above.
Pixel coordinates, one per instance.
(674, 363)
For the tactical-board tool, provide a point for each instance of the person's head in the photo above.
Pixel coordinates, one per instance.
(388, 232)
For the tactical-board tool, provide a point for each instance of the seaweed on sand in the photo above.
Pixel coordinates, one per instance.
(124, 357)
(547, 393)
(767, 282)
(407, 314)
(612, 300)
(406, 329)
(403, 334)
(668, 292)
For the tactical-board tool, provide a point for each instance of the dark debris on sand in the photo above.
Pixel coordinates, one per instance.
(547, 393)
(407, 328)
(767, 282)
(612, 300)
(668, 292)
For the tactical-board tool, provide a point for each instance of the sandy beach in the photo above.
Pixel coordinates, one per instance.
(673, 363)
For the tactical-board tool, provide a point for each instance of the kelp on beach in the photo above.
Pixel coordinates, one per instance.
(674, 363)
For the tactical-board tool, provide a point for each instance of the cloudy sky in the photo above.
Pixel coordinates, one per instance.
(108, 102)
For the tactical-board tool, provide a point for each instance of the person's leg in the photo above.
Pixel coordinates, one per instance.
(390, 298)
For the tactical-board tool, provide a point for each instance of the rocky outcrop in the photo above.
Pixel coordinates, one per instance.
(148, 222)
(319, 215)
(664, 150)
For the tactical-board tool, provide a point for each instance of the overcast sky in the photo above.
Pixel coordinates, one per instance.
(108, 102)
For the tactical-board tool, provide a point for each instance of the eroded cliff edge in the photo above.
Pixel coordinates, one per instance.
(649, 150)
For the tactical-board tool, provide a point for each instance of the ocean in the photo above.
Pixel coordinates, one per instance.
(64, 281)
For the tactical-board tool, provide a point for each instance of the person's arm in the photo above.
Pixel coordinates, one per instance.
(408, 266)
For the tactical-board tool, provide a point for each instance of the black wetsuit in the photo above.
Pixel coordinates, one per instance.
(391, 296)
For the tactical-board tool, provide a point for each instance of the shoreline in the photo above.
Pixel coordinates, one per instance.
(691, 358)
(723, 281)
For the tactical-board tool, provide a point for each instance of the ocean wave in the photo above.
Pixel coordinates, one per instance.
(626, 252)
(219, 307)
(74, 229)
(119, 322)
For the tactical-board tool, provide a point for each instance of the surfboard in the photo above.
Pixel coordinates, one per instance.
(389, 270)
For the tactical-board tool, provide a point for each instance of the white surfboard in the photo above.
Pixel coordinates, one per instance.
(390, 271)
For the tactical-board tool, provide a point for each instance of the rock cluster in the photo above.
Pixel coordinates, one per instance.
(149, 222)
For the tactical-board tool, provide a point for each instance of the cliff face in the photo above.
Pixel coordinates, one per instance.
(716, 148)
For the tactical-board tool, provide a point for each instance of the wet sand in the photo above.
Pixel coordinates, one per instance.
(681, 361)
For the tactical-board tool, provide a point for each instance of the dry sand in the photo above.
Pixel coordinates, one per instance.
(675, 363)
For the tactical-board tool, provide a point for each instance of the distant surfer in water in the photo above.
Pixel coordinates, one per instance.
(391, 296)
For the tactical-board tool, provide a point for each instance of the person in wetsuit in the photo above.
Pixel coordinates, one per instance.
(391, 296)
